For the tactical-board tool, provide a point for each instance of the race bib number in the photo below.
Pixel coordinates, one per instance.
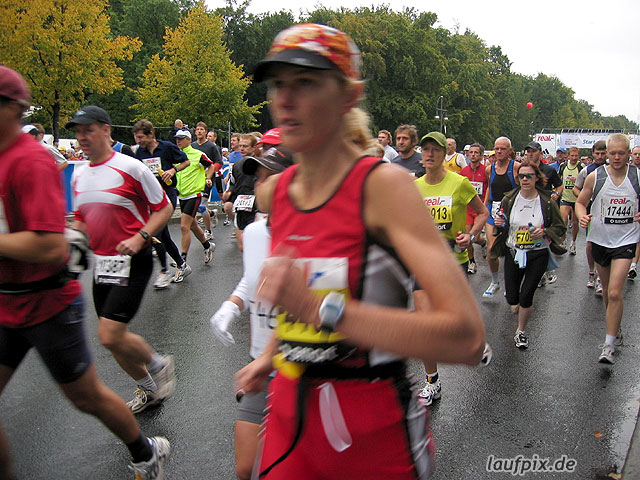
(441, 211)
(112, 270)
(479, 186)
(153, 164)
(523, 238)
(244, 203)
(617, 211)
(303, 343)
(569, 182)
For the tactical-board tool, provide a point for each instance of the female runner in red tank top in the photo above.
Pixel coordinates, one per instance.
(344, 247)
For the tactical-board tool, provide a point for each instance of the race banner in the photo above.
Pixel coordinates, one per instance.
(550, 142)
(581, 140)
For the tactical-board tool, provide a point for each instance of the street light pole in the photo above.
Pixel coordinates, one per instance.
(441, 113)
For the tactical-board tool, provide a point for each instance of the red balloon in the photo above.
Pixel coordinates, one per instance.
(529, 104)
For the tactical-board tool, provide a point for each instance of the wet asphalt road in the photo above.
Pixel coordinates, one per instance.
(547, 401)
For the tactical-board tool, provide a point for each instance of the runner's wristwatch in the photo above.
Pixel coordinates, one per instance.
(331, 310)
(144, 234)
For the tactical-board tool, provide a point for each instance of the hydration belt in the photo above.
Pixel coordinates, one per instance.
(50, 283)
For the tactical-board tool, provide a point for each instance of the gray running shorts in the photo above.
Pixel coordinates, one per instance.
(252, 405)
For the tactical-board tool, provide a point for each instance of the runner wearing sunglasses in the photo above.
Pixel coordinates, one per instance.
(530, 227)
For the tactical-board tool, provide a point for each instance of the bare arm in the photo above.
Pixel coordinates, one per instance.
(487, 172)
(476, 204)
(34, 247)
(583, 200)
(252, 378)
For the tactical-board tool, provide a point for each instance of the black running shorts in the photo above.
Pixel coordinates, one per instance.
(60, 341)
(190, 206)
(604, 255)
(121, 303)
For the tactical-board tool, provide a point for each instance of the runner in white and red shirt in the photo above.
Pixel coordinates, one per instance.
(41, 305)
(113, 198)
(477, 175)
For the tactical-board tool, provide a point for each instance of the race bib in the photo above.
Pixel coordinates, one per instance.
(244, 203)
(617, 210)
(153, 164)
(303, 343)
(479, 186)
(112, 270)
(523, 238)
(441, 211)
(569, 182)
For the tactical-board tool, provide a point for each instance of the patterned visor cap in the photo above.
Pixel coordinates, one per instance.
(312, 45)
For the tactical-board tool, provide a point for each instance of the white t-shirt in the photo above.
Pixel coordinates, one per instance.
(526, 215)
(256, 241)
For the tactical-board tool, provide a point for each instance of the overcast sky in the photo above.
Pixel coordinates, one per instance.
(592, 46)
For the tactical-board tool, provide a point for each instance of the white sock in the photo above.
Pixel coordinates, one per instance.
(610, 339)
(633, 265)
(495, 277)
(147, 383)
(156, 363)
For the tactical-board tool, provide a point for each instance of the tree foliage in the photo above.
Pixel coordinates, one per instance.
(195, 79)
(194, 64)
(65, 51)
(408, 62)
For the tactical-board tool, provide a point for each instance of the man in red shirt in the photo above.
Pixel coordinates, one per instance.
(41, 303)
(476, 172)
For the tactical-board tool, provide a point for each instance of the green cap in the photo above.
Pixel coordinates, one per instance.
(437, 137)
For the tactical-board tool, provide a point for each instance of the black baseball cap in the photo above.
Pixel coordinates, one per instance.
(533, 146)
(87, 115)
(276, 159)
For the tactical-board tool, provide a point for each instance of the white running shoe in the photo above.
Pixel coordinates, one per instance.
(551, 276)
(572, 249)
(598, 287)
(181, 273)
(591, 283)
(144, 399)
(163, 280)
(153, 468)
(430, 392)
(607, 354)
(207, 235)
(208, 252)
(521, 339)
(491, 289)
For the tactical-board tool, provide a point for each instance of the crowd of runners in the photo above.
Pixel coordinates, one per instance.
(340, 271)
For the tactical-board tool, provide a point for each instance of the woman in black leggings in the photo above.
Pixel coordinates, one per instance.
(530, 226)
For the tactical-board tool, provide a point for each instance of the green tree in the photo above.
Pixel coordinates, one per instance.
(195, 79)
(65, 51)
(248, 38)
(148, 20)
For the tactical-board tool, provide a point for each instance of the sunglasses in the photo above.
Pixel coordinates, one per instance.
(526, 175)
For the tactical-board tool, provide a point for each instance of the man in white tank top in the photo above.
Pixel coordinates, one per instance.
(614, 230)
